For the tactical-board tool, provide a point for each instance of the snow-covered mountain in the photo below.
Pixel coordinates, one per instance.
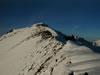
(96, 43)
(41, 50)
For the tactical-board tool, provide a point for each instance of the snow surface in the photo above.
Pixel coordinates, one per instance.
(24, 52)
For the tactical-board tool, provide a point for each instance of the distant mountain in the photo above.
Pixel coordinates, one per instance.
(96, 43)
(41, 50)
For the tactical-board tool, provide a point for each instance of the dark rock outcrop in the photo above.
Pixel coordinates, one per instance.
(46, 34)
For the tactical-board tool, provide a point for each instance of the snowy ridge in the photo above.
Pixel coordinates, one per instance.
(40, 50)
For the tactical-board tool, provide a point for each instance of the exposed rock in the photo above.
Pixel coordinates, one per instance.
(46, 34)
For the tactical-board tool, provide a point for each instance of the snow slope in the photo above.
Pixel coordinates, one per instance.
(24, 51)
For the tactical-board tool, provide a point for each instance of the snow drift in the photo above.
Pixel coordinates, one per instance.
(40, 50)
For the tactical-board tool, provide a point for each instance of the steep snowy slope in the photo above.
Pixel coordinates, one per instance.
(40, 50)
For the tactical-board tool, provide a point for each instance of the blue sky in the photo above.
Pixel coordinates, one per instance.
(79, 17)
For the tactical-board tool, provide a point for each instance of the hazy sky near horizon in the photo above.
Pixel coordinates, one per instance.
(79, 17)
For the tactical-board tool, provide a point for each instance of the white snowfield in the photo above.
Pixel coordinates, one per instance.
(25, 52)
